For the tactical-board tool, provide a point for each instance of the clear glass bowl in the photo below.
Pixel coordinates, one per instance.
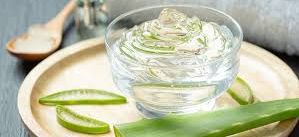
(162, 89)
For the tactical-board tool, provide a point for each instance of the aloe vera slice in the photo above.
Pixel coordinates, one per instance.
(219, 123)
(82, 96)
(241, 92)
(79, 123)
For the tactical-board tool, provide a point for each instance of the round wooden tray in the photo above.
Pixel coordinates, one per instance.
(85, 65)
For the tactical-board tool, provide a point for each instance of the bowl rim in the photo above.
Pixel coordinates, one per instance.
(236, 45)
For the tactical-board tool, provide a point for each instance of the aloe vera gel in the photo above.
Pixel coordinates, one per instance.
(173, 59)
(175, 34)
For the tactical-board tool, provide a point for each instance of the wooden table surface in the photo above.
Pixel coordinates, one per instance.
(16, 16)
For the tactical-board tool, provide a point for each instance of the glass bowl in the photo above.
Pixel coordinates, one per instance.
(164, 88)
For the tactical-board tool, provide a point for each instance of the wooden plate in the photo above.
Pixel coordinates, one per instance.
(85, 65)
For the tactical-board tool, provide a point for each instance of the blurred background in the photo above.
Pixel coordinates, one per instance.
(271, 24)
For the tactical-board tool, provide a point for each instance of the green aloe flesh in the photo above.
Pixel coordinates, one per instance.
(241, 92)
(82, 96)
(127, 52)
(153, 49)
(79, 123)
(219, 123)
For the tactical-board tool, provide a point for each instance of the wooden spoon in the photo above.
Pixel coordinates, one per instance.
(55, 29)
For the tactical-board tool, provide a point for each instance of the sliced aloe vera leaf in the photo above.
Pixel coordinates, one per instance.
(219, 123)
(152, 49)
(241, 92)
(82, 96)
(79, 123)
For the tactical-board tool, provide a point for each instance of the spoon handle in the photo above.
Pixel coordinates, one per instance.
(57, 22)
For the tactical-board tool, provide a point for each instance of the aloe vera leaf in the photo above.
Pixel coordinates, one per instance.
(79, 123)
(219, 123)
(241, 92)
(82, 96)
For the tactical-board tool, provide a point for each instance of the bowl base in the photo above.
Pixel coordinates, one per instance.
(149, 112)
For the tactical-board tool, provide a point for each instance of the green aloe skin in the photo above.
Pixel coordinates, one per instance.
(219, 123)
(241, 92)
(82, 96)
(79, 123)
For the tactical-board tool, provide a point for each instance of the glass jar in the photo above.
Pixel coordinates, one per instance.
(90, 18)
